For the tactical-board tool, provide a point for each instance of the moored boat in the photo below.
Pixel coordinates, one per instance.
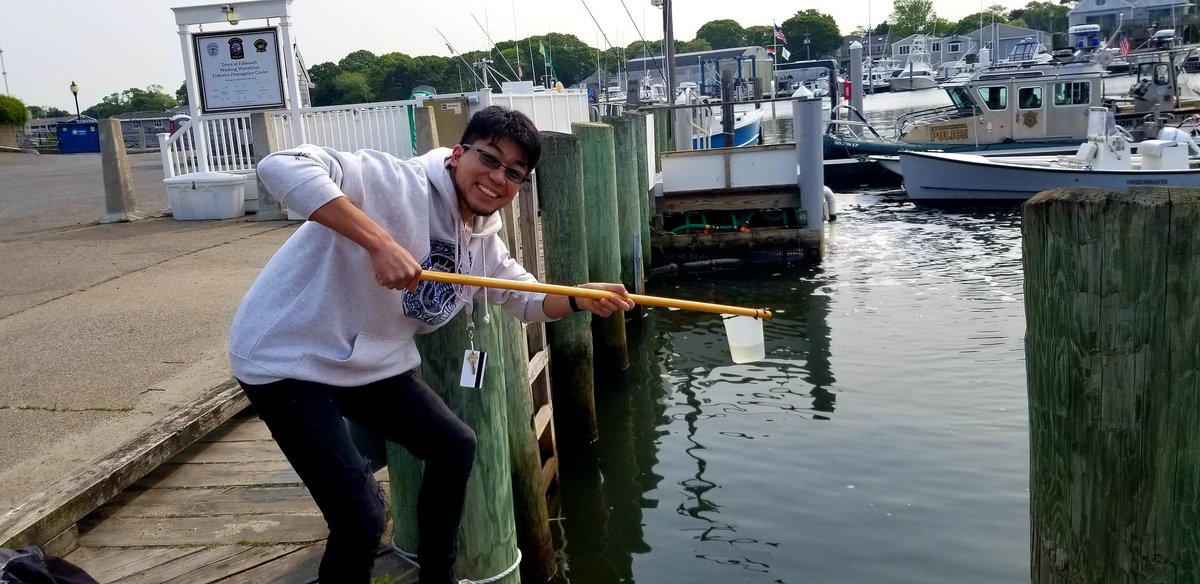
(705, 122)
(1107, 160)
(1028, 104)
(916, 73)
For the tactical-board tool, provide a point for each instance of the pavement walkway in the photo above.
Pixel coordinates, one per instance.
(111, 333)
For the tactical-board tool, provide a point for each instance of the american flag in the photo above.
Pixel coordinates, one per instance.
(779, 34)
(1124, 44)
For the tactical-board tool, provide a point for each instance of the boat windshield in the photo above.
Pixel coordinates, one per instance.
(1026, 50)
(961, 97)
(1157, 73)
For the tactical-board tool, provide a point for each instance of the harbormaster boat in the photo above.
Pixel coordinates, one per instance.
(1027, 104)
(1106, 160)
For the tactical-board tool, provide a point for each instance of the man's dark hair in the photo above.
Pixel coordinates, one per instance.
(495, 122)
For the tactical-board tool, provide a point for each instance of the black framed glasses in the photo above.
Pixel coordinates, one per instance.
(489, 160)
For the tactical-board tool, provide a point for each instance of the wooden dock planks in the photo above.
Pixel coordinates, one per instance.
(227, 509)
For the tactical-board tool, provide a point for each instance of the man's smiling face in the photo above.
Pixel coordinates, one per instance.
(482, 190)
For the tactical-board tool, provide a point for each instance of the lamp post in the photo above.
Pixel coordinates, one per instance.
(807, 50)
(75, 92)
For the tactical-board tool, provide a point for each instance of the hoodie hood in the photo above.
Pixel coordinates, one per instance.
(436, 168)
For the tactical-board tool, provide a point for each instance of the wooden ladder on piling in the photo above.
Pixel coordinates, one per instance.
(523, 238)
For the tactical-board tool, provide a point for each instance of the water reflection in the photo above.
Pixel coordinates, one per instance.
(679, 365)
(904, 346)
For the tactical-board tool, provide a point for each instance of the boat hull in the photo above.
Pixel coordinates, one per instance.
(745, 132)
(938, 176)
(911, 83)
(838, 147)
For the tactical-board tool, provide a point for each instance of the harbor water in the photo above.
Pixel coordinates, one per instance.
(883, 438)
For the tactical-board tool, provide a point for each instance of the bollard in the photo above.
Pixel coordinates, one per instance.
(807, 129)
(856, 77)
(120, 201)
(640, 135)
(603, 245)
(682, 130)
(1112, 304)
(561, 193)
(629, 205)
(269, 208)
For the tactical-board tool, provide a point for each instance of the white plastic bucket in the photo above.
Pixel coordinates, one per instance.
(745, 338)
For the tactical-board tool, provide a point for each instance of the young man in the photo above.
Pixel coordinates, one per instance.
(327, 329)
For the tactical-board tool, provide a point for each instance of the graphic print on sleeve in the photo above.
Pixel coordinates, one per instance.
(434, 302)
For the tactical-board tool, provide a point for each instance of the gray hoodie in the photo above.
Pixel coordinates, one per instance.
(315, 313)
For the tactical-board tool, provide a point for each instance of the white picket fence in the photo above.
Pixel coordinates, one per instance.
(550, 111)
(385, 126)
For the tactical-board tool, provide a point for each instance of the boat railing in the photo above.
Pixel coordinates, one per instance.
(851, 123)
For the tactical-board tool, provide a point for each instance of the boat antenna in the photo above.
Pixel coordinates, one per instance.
(460, 57)
(517, 42)
(4, 71)
(489, 38)
(1113, 36)
(620, 64)
(639, 32)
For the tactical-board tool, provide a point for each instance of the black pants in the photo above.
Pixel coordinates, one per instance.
(305, 419)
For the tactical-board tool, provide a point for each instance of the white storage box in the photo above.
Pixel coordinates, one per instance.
(206, 195)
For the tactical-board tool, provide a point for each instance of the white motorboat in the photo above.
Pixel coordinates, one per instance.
(916, 74)
(1015, 107)
(705, 122)
(1107, 160)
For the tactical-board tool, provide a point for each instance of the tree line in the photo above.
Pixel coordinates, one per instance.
(363, 76)
(917, 16)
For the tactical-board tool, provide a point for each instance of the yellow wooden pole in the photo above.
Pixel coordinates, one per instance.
(643, 299)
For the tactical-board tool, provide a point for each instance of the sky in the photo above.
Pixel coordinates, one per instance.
(108, 46)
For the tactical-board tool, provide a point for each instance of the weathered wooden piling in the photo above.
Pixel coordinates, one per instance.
(662, 135)
(561, 194)
(641, 138)
(603, 245)
(629, 205)
(529, 501)
(404, 482)
(1112, 304)
(487, 540)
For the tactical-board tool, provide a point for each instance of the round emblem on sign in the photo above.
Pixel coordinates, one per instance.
(1030, 119)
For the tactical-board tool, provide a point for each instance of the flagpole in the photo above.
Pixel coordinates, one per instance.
(517, 43)
(774, 60)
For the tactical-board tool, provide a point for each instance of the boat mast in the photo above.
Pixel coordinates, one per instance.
(4, 71)
(668, 44)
